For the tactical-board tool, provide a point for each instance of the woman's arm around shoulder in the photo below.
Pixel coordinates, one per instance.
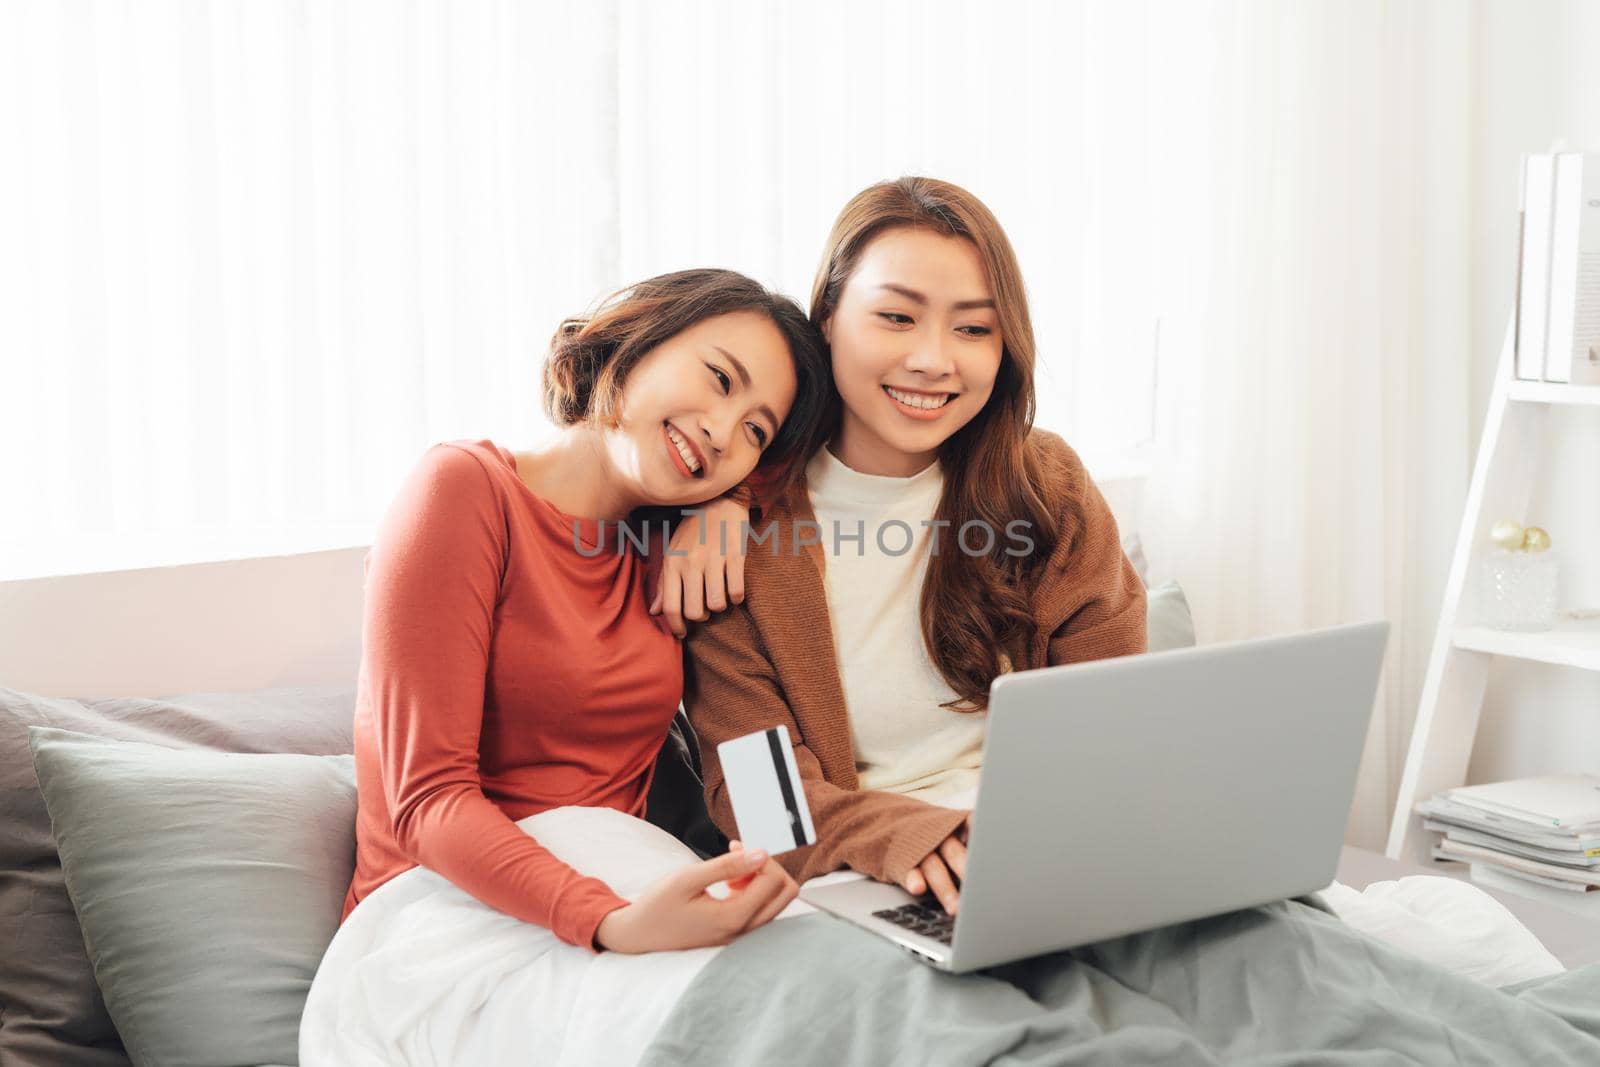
(703, 571)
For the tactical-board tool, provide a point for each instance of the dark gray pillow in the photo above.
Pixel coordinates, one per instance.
(208, 885)
(51, 1010)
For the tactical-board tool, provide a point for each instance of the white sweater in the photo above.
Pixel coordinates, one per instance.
(904, 741)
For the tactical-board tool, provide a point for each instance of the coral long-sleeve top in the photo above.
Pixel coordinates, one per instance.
(508, 666)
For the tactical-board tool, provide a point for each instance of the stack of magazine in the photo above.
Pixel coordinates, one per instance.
(1536, 836)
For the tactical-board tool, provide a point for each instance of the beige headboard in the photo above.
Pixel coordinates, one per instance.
(236, 625)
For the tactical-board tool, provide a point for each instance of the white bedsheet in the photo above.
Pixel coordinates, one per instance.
(422, 973)
(1450, 923)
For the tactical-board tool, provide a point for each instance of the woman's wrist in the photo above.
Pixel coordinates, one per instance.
(611, 934)
(917, 837)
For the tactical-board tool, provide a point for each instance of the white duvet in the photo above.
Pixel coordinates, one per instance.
(423, 973)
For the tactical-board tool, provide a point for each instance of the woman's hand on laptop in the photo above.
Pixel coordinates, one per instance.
(678, 911)
(942, 870)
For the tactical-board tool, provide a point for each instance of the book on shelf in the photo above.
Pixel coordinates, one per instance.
(1560, 801)
(1527, 846)
(1572, 334)
(1533, 266)
(1567, 857)
(1558, 269)
(1442, 809)
(1569, 899)
(1493, 874)
(1462, 852)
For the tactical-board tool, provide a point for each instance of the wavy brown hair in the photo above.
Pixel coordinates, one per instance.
(591, 355)
(976, 612)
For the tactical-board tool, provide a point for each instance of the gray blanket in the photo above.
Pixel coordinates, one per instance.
(1275, 985)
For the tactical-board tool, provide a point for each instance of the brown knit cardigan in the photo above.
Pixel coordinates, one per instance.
(771, 661)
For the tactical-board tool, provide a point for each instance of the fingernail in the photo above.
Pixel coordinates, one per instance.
(756, 858)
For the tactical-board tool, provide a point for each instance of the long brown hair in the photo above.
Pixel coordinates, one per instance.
(591, 355)
(977, 615)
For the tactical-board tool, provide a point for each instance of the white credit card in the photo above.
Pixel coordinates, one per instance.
(769, 803)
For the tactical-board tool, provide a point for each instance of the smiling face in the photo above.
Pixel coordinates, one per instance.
(916, 349)
(699, 408)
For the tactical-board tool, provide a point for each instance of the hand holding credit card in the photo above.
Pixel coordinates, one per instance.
(769, 803)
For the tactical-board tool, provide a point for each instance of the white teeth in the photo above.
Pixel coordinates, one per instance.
(684, 450)
(919, 400)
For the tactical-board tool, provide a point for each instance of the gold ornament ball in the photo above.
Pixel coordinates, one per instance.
(1507, 534)
(1535, 540)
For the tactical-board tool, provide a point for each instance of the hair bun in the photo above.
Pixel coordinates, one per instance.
(570, 372)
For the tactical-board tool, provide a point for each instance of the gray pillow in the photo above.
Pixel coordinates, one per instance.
(208, 885)
(1167, 620)
(51, 1011)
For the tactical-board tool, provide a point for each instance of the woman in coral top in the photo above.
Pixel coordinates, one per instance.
(509, 663)
(938, 539)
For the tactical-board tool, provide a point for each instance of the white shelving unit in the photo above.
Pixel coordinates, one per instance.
(1458, 665)
(1570, 644)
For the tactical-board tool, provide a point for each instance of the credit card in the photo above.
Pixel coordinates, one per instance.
(769, 803)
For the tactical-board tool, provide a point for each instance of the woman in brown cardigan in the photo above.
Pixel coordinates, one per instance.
(934, 541)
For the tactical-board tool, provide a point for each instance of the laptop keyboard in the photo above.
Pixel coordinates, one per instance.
(923, 917)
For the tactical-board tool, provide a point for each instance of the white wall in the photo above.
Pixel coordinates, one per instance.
(1539, 80)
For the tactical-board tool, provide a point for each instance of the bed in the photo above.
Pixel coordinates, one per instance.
(203, 947)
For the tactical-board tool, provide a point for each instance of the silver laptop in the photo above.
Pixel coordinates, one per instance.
(1125, 794)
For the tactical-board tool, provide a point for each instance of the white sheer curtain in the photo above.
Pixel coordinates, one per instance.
(265, 253)
(1314, 443)
(1044, 110)
(255, 257)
